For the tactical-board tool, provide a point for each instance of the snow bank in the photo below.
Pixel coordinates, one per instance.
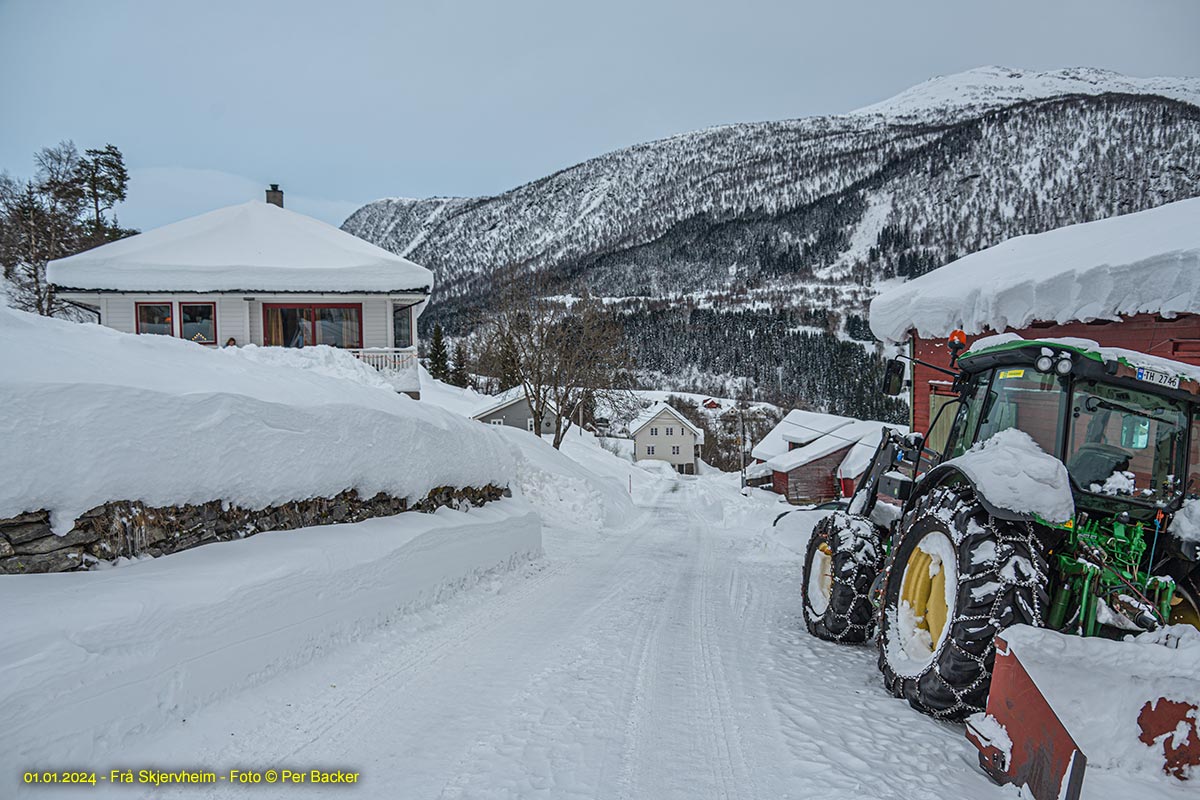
(248, 247)
(90, 660)
(1098, 687)
(1148, 262)
(1013, 473)
(98, 415)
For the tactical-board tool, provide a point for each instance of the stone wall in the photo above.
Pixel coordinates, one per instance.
(126, 528)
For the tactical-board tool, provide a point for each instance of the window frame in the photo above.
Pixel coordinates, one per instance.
(529, 424)
(215, 339)
(675, 450)
(137, 316)
(412, 333)
(670, 431)
(649, 449)
(313, 322)
(654, 431)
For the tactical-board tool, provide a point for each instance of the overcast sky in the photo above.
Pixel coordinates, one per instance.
(346, 101)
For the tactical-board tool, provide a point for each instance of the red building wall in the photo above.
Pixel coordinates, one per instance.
(814, 482)
(1178, 339)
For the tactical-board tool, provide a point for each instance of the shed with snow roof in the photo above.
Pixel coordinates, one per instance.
(663, 433)
(259, 274)
(1131, 281)
(813, 473)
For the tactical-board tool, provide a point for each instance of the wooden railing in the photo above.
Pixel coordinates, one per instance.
(388, 359)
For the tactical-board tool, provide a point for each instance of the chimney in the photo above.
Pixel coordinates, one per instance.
(275, 195)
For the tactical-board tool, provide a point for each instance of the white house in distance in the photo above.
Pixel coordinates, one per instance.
(259, 274)
(511, 408)
(663, 434)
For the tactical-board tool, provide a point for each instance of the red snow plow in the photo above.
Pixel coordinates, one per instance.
(1057, 516)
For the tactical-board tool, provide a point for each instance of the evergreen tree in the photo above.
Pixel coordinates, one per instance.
(459, 374)
(439, 361)
(509, 372)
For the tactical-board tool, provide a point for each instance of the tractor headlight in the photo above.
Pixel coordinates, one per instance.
(1044, 363)
(1063, 366)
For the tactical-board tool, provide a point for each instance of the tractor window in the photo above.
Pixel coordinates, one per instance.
(1125, 442)
(967, 418)
(1023, 398)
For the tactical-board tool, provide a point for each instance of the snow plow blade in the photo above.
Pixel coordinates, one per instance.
(1020, 739)
(1057, 702)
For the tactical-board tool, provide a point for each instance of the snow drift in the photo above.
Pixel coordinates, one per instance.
(99, 415)
(1148, 262)
(91, 660)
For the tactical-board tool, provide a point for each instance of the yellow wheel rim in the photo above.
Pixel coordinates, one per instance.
(925, 594)
(1184, 611)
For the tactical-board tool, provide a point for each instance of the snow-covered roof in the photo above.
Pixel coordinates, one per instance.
(859, 458)
(643, 419)
(499, 401)
(1148, 262)
(839, 439)
(248, 247)
(797, 427)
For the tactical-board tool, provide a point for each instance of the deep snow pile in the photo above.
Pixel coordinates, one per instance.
(1098, 687)
(1148, 262)
(1013, 473)
(97, 415)
(90, 661)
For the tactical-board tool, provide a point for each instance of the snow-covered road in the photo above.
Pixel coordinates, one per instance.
(663, 660)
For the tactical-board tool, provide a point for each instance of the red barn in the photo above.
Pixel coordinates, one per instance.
(826, 467)
(1131, 281)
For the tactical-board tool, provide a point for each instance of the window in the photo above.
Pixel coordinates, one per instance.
(529, 424)
(674, 449)
(198, 322)
(155, 318)
(649, 449)
(402, 326)
(670, 431)
(654, 431)
(497, 421)
(302, 325)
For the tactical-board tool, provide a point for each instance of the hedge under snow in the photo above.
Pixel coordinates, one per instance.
(93, 415)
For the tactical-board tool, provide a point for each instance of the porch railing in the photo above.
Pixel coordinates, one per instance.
(388, 359)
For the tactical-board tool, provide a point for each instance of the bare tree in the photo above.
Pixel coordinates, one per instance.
(566, 355)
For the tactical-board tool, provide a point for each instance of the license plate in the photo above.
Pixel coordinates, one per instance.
(1157, 378)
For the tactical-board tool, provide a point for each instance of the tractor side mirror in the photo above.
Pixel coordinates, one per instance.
(893, 378)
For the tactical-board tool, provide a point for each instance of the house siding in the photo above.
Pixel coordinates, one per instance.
(683, 438)
(516, 414)
(814, 482)
(240, 318)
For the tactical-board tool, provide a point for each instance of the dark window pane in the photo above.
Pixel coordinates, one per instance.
(288, 326)
(338, 327)
(402, 326)
(154, 318)
(198, 322)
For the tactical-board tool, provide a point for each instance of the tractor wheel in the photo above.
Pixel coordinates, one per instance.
(956, 578)
(841, 562)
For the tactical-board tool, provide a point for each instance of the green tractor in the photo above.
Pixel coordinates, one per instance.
(1050, 502)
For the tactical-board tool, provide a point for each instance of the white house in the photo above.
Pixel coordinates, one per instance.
(662, 433)
(256, 273)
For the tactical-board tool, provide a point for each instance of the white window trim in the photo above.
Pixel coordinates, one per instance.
(670, 431)
(649, 449)
(674, 449)
(497, 422)
(654, 431)
(529, 424)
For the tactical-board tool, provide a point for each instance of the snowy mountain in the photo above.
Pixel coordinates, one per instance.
(785, 228)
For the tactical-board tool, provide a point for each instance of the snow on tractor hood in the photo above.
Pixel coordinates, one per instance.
(1011, 472)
